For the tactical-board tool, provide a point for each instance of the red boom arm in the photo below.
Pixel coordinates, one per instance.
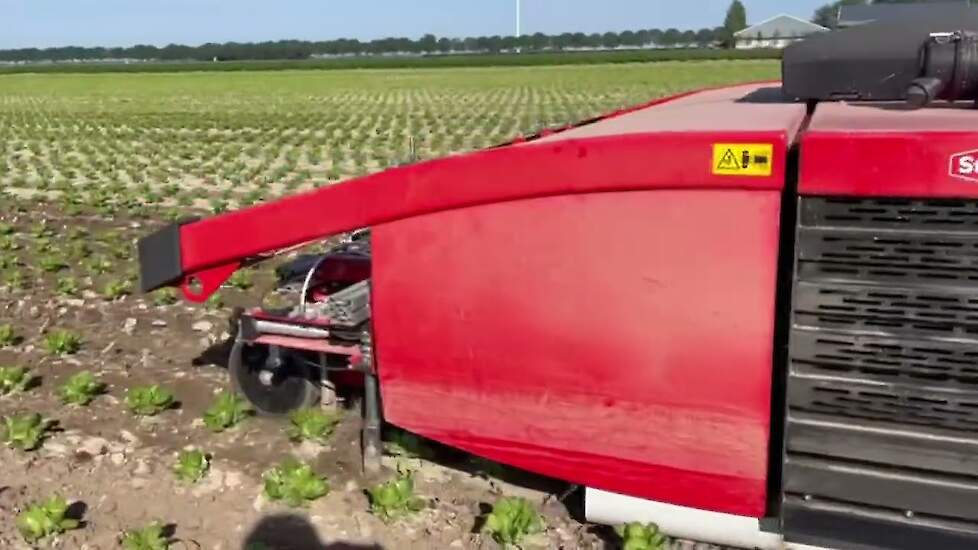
(208, 251)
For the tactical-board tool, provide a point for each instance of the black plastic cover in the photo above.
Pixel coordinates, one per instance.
(875, 62)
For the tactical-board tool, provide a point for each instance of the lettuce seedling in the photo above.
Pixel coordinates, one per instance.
(25, 432)
(149, 400)
(14, 379)
(639, 536)
(62, 342)
(147, 538)
(512, 519)
(9, 244)
(41, 521)
(395, 498)
(8, 336)
(115, 289)
(295, 483)
(165, 297)
(240, 280)
(214, 302)
(311, 425)
(98, 265)
(67, 286)
(191, 466)
(16, 280)
(226, 412)
(51, 263)
(81, 389)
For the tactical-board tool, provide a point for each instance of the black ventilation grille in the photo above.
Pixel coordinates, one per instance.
(898, 214)
(883, 362)
(888, 256)
(904, 311)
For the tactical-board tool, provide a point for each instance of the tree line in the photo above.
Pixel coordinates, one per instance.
(427, 44)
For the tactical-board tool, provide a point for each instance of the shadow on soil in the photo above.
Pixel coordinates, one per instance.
(291, 532)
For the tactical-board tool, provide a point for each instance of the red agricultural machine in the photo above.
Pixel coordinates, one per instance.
(749, 314)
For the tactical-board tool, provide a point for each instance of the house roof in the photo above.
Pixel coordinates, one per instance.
(782, 25)
(859, 14)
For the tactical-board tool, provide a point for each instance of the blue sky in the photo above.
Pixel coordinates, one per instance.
(45, 23)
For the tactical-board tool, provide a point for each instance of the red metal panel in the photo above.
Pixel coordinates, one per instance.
(619, 340)
(880, 150)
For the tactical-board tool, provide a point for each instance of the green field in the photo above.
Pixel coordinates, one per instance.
(410, 62)
(140, 142)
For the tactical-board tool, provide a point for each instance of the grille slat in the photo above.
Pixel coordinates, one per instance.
(882, 213)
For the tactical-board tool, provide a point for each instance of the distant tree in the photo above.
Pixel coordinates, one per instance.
(629, 38)
(670, 37)
(735, 21)
(705, 37)
(540, 41)
(610, 40)
(428, 43)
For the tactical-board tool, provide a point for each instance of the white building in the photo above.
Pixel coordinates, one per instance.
(776, 32)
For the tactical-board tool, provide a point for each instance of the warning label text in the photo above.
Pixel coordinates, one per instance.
(743, 159)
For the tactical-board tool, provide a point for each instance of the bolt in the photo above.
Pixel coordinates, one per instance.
(265, 377)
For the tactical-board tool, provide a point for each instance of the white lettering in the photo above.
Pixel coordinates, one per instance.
(967, 165)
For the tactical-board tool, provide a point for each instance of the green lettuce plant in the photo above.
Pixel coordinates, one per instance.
(191, 466)
(80, 389)
(294, 483)
(25, 432)
(14, 380)
(149, 400)
(150, 537)
(511, 520)
(226, 412)
(641, 536)
(311, 425)
(395, 498)
(44, 520)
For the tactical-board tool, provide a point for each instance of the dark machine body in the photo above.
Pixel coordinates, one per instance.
(749, 314)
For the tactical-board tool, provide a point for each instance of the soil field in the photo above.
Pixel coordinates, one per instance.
(89, 163)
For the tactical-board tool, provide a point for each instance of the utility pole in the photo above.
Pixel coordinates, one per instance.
(518, 49)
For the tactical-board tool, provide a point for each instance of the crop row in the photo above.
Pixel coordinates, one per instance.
(413, 62)
(139, 143)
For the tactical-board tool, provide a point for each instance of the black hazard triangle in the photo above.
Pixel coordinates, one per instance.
(729, 161)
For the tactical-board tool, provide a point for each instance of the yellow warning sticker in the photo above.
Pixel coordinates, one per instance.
(743, 159)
